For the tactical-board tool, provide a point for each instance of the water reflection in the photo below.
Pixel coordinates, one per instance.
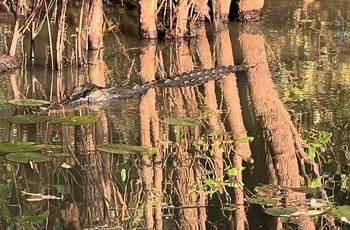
(195, 176)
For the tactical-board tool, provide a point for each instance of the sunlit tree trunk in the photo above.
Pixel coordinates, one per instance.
(148, 113)
(181, 15)
(19, 28)
(221, 11)
(148, 18)
(279, 132)
(249, 10)
(61, 35)
(96, 24)
(202, 9)
(235, 120)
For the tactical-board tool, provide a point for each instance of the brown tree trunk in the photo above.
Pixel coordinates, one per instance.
(96, 35)
(181, 15)
(221, 11)
(249, 10)
(19, 29)
(279, 135)
(148, 18)
(147, 112)
(61, 35)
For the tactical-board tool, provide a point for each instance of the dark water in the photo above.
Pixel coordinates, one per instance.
(198, 174)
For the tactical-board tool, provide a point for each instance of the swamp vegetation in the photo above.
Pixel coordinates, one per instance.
(263, 149)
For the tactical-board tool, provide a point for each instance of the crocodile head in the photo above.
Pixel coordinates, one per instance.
(83, 93)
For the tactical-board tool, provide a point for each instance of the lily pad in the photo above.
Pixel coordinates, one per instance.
(305, 189)
(28, 119)
(76, 120)
(280, 211)
(29, 102)
(3, 101)
(121, 148)
(261, 200)
(20, 147)
(25, 157)
(184, 121)
(341, 212)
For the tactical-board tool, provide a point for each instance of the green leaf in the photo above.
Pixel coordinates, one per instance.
(316, 183)
(76, 120)
(29, 102)
(35, 219)
(324, 139)
(150, 151)
(184, 121)
(28, 119)
(5, 191)
(261, 200)
(341, 212)
(25, 157)
(311, 152)
(62, 189)
(123, 175)
(244, 140)
(3, 101)
(5, 211)
(234, 171)
(280, 211)
(120, 148)
(316, 145)
(20, 147)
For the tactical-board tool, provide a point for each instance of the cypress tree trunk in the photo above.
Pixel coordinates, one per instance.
(95, 39)
(249, 10)
(148, 18)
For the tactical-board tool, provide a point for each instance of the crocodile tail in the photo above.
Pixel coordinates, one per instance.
(198, 77)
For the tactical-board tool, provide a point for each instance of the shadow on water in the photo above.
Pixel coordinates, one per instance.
(261, 149)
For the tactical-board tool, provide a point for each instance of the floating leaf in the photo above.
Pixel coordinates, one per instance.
(304, 189)
(28, 119)
(5, 191)
(120, 148)
(3, 101)
(20, 147)
(25, 157)
(341, 212)
(315, 212)
(261, 200)
(280, 211)
(184, 121)
(28, 102)
(54, 147)
(76, 120)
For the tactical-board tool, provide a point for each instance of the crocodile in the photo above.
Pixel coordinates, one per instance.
(91, 93)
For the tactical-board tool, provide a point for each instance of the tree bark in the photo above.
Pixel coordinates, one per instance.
(249, 10)
(148, 18)
(95, 39)
(221, 11)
